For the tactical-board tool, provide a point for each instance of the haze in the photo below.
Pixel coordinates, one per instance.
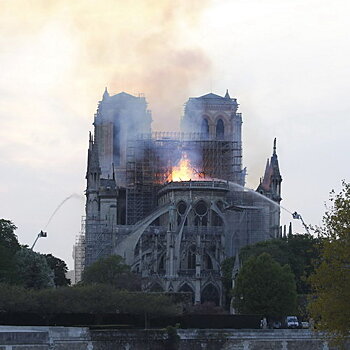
(285, 61)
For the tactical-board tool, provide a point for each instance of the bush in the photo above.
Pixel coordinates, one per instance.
(93, 298)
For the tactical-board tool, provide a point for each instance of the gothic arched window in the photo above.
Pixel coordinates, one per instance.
(220, 130)
(205, 128)
(208, 264)
(210, 294)
(185, 288)
(161, 263)
(216, 219)
(191, 258)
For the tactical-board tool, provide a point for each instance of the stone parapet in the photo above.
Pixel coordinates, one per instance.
(78, 338)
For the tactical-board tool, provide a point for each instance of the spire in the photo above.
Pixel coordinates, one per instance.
(266, 181)
(93, 160)
(105, 94)
(113, 171)
(227, 94)
(236, 265)
(235, 269)
(272, 179)
(267, 168)
(90, 138)
(274, 161)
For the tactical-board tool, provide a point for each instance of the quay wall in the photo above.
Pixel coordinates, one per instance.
(81, 338)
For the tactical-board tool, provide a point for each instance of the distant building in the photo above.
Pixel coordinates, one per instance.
(173, 204)
(71, 276)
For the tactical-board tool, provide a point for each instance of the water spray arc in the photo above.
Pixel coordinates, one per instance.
(233, 184)
(74, 195)
(295, 215)
(44, 233)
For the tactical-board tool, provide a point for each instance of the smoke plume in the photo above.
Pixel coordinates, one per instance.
(142, 46)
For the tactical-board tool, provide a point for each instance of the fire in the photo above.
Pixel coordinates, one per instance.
(184, 171)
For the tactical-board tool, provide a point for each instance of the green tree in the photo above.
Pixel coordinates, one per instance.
(298, 251)
(330, 306)
(112, 270)
(264, 287)
(8, 239)
(226, 268)
(59, 267)
(8, 247)
(32, 270)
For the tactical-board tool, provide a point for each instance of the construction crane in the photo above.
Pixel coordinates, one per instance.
(40, 234)
(298, 217)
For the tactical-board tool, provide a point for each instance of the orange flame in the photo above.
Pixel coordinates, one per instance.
(184, 171)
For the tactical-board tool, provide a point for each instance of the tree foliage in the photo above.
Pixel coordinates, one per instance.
(112, 270)
(92, 298)
(330, 306)
(298, 251)
(8, 247)
(264, 287)
(32, 269)
(59, 268)
(20, 265)
(226, 268)
(8, 239)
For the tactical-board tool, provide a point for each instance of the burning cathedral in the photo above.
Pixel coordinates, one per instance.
(173, 204)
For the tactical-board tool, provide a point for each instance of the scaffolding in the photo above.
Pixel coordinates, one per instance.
(150, 158)
(79, 253)
(98, 240)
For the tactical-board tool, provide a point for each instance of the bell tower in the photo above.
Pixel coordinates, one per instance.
(214, 117)
(119, 118)
(213, 121)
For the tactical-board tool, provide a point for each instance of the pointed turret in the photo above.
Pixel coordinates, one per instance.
(105, 94)
(93, 172)
(236, 266)
(271, 183)
(227, 95)
(235, 269)
(276, 177)
(274, 161)
(265, 183)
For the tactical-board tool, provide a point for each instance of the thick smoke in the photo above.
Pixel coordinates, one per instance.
(134, 46)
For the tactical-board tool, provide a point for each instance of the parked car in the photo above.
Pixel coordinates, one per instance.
(292, 322)
(305, 325)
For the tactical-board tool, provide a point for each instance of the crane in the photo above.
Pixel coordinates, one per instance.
(40, 234)
(297, 216)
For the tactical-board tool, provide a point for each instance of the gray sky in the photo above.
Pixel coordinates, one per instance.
(287, 63)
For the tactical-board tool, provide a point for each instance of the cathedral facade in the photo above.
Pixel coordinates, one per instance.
(173, 204)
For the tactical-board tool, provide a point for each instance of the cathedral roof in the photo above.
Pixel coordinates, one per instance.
(120, 97)
(124, 95)
(215, 99)
(211, 96)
